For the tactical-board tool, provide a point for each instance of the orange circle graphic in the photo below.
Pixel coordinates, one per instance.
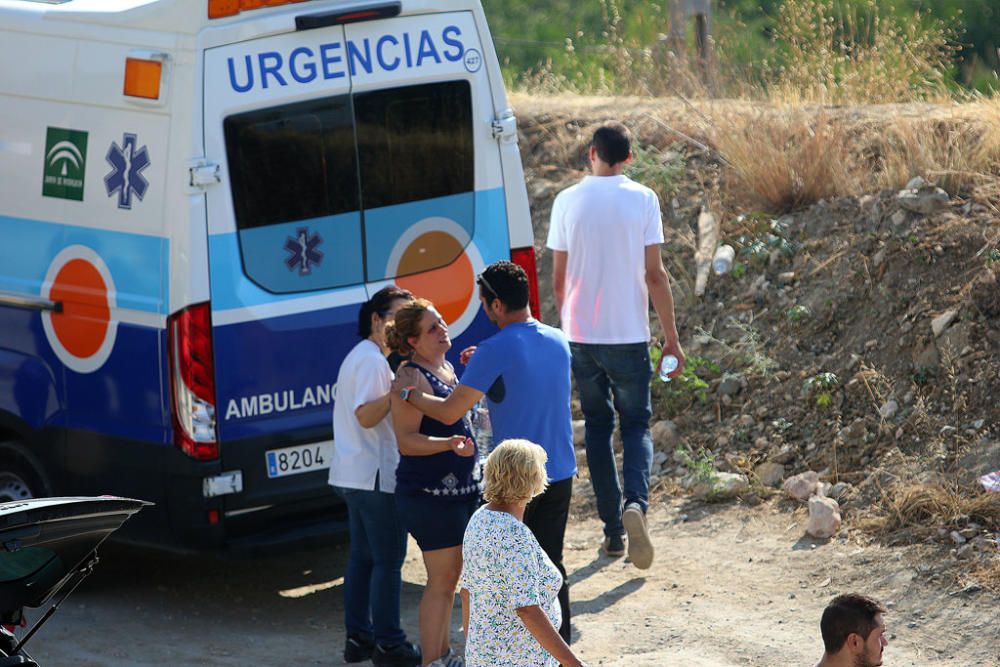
(82, 325)
(450, 286)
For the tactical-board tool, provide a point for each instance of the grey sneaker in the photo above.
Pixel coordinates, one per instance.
(640, 548)
(449, 659)
(614, 545)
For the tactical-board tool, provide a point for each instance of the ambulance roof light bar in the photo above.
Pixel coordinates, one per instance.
(382, 10)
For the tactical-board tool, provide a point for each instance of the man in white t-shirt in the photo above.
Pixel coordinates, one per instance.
(605, 236)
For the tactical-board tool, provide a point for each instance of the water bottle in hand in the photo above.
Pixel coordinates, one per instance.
(668, 364)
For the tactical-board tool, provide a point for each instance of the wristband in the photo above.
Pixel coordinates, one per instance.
(405, 392)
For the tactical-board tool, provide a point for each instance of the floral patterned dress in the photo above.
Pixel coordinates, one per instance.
(505, 569)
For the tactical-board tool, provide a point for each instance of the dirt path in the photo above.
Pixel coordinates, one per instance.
(730, 586)
(739, 586)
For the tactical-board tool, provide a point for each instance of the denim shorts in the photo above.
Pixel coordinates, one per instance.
(435, 522)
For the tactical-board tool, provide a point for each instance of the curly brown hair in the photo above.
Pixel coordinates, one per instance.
(406, 326)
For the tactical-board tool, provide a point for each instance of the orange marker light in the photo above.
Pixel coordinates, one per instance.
(142, 78)
(221, 8)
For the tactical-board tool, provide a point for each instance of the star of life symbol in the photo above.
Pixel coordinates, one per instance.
(126, 178)
(303, 251)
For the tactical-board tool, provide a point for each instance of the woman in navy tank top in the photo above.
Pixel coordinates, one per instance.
(438, 481)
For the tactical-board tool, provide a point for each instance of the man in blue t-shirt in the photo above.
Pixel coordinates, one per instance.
(524, 373)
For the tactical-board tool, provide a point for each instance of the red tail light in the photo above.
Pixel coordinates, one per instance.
(192, 382)
(525, 258)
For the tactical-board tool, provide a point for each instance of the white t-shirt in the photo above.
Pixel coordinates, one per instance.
(359, 453)
(504, 569)
(604, 224)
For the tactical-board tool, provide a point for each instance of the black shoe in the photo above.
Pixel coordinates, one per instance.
(358, 650)
(614, 546)
(400, 655)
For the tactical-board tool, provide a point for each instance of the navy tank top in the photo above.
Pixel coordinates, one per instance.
(445, 474)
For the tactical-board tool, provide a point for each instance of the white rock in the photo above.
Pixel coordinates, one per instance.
(924, 200)
(578, 432)
(824, 517)
(801, 486)
(720, 486)
(943, 321)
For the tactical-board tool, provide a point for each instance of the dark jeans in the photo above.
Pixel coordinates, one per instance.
(372, 583)
(610, 379)
(546, 516)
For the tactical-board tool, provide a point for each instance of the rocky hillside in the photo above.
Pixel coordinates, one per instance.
(856, 338)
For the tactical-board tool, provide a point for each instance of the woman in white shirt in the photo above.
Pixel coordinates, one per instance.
(363, 470)
(510, 585)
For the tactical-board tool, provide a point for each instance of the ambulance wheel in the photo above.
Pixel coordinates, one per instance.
(21, 475)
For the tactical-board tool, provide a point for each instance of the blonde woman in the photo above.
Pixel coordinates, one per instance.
(511, 586)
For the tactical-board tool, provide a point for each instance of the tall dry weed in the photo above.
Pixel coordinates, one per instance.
(785, 160)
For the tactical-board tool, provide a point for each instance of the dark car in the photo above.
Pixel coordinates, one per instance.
(47, 547)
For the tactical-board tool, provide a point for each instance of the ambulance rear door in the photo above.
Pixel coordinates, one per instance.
(433, 205)
(285, 257)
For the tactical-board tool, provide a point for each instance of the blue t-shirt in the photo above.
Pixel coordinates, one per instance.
(525, 373)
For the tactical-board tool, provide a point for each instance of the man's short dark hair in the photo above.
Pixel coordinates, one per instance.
(505, 281)
(845, 615)
(613, 142)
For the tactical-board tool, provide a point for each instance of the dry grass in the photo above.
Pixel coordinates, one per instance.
(956, 152)
(786, 158)
(918, 510)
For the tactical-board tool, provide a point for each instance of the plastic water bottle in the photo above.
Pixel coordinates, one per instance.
(668, 364)
(482, 428)
(723, 260)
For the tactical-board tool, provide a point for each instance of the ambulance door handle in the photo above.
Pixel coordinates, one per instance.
(29, 302)
(203, 174)
(505, 127)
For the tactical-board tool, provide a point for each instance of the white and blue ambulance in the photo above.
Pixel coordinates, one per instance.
(195, 197)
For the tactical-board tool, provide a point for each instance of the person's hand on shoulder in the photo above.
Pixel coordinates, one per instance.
(405, 377)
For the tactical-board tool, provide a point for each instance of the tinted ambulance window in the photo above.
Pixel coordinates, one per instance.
(417, 165)
(295, 192)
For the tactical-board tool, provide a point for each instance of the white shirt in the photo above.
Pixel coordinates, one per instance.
(604, 224)
(360, 453)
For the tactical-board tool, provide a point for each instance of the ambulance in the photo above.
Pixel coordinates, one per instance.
(195, 198)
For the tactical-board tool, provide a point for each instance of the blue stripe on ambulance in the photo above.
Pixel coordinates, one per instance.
(127, 395)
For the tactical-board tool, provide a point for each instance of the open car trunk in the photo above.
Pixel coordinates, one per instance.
(48, 543)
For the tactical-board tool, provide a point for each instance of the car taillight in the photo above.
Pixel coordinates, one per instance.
(192, 380)
(525, 258)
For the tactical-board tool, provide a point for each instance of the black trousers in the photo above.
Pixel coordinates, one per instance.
(546, 516)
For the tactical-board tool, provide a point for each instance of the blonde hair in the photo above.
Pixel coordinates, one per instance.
(515, 471)
(406, 326)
